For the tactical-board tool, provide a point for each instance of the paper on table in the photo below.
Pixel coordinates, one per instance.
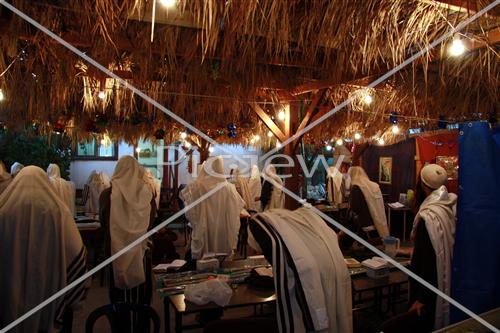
(396, 205)
(176, 264)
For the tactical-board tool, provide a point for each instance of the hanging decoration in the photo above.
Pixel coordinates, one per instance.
(59, 127)
(232, 131)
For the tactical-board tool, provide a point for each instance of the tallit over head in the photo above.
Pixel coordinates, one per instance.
(96, 183)
(155, 184)
(129, 219)
(42, 252)
(277, 197)
(373, 196)
(216, 219)
(334, 185)
(65, 190)
(5, 177)
(439, 213)
(15, 168)
(255, 187)
(243, 189)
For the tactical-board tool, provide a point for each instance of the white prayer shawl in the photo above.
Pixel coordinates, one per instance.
(129, 220)
(277, 196)
(15, 168)
(42, 251)
(319, 264)
(65, 190)
(5, 177)
(155, 185)
(438, 211)
(255, 188)
(335, 179)
(96, 183)
(215, 220)
(374, 199)
(241, 185)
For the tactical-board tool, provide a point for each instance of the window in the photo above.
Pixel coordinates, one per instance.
(94, 150)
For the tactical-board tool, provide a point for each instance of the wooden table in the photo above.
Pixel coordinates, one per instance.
(243, 296)
(402, 209)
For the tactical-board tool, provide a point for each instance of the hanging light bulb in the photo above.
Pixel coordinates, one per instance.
(183, 135)
(252, 141)
(101, 94)
(395, 129)
(137, 150)
(256, 137)
(457, 47)
(340, 142)
(187, 144)
(282, 115)
(381, 141)
(168, 3)
(278, 144)
(211, 149)
(2, 96)
(357, 136)
(270, 134)
(329, 147)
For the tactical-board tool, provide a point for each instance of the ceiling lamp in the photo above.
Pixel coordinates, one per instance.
(2, 96)
(252, 141)
(395, 129)
(457, 47)
(340, 142)
(137, 150)
(329, 148)
(211, 149)
(269, 134)
(256, 137)
(183, 135)
(381, 141)
(282, 115)
(278, 144)
(101, 94)
(187, 144)
(357, 136)
(168, 3)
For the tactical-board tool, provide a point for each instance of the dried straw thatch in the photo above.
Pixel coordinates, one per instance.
(210, 59)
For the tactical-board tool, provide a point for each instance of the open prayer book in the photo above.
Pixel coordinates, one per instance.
(396, 205)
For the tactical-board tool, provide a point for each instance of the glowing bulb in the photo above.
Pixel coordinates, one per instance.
(103, 142)
(278, 144)
(2, 96)
(328, 147)
(168, 3)
(183, 135)
(456, 48)
(282, 115)
(357, 136)
(257, 137)
(101, 95)
(252, 141)
(137, 150)
(340, 142)
(270, 134)
(367, 99)
(395, 129)
(211, 149)
(187, 144)
(381, 141)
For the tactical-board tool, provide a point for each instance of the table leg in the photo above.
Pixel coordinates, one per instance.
(166, 314)
(404, 226)
(178, 322)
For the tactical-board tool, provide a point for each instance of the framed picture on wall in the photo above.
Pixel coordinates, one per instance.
(385, 170)
(450, 164)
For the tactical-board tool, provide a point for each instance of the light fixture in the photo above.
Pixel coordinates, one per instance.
(340, 142)
(278, 144)
(137, 150)
(357, 136)
(395, 129)
(102, 94)
(187, 144)
(211, 149)
(183, 135)
(256, 137)
(252, 141)
(168, 3)
(2, 96)
(270, 134)
(381, 141)
(328, 147)
(457, 47)
(366, 97)
(282, 115)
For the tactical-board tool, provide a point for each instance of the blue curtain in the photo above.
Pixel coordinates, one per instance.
(476, 260)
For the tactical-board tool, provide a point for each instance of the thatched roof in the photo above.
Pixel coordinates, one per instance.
(210, 59)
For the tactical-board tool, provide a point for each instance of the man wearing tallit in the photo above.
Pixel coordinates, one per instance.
(15, 169)
(64, 189)
(334, 185)
(215, 220)
(241, 185)
(42, 252)
(155, 184)
(255, 187)
(127, 211)
(434, 235)
(272, 196)
(5, 177)
(367, 203)
(95, 184)
(313, 285)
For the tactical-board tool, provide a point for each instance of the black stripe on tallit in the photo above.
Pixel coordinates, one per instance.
(279, 300)
(77, 262)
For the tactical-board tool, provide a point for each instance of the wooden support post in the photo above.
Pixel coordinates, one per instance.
(269, 122)
(293, 183)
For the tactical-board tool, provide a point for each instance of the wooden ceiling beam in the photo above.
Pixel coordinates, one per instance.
(268, 121)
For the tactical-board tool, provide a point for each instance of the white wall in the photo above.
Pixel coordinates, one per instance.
(80, 170)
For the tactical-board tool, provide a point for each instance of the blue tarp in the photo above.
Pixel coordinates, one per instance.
(476, 260)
